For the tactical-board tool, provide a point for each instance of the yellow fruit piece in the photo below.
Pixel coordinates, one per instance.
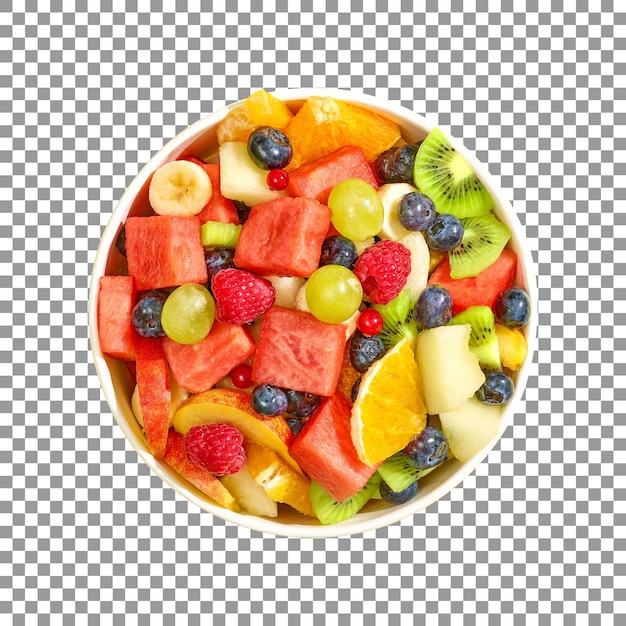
(513, 346)
(324, 124)
(389, 409)
(259, 109)
(435, 259)
(278, 480)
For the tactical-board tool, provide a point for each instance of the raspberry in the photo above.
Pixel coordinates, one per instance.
(383, 270)
(218, 448)
(241, 296)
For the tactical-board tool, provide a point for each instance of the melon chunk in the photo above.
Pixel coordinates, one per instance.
(116, 299)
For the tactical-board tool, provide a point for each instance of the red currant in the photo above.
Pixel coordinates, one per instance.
(370, 322)
(277, 180)
(241, 375)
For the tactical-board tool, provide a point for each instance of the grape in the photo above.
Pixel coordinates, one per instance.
(188, 314)
(357, 212)
(333, 293)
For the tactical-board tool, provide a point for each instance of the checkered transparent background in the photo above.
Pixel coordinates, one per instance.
(91, 90)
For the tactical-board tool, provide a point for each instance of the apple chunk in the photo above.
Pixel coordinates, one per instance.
(450, 371)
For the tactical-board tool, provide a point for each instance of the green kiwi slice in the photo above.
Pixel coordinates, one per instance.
(398, 472)
(398, 321)
(483, 240)
(329, 511)
(483, 340)
(447, 178)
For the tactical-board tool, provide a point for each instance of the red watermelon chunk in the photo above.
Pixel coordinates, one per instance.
(481, 290)
(116, 299)
(297, 351)
(164, 251)
(283, 237)
(197, 367)
(324, 450)
(317, 179)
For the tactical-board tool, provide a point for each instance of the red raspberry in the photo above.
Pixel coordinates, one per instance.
(383, 269)
(241, 296)
(218, 448)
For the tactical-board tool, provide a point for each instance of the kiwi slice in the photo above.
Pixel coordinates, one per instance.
(398, 472)
(484, 238)
(448, 179)
(398, 321)
(219, 234)
(483, 340)
(329, 511)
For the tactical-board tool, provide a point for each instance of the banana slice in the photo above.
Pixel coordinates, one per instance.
(390, 196)
(180, 189)
(420, 262)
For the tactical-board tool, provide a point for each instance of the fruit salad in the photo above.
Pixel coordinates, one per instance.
(317, 317)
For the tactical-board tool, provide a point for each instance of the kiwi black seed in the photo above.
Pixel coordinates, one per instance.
(445, 176)
(484, 238)
(330, 511)
(483, 340)
(398, 321)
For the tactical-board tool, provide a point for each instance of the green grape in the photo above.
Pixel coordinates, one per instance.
(333, 293)
(188, 314)
(357, 211)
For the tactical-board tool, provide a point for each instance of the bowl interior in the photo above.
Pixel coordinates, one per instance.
(200, 139)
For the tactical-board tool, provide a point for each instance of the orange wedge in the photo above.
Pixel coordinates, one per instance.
(389, 409)
(324, 124)
(259, 109)
(279, 481)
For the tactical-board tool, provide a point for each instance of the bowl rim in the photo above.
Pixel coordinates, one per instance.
(361, 522)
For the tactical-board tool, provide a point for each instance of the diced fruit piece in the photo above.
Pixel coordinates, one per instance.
(483, 339)
(241, 179)
(512, 346)
(280, 481)
(297, 351)
(153, 382)
(420, 263)
(178, 396)
(398, 321)
(179, 189)
(390, 196)
(316, 180)
(286, 288)
(283, 237)
(219, 234)
(478, 290)
(347, 377)
(324, 450)
(450, 371)
(233, 407)
(200, 478)
(197, 367)
(470, 427)
(389, 409)
(164, 251)
(116, 299)
(251, 497)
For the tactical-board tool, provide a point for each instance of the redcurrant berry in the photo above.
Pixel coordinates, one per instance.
(241, 375)
(277, 180)
(370, 322)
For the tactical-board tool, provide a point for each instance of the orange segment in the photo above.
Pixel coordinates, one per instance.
(259, 109)
(324, 124)
(389, 409)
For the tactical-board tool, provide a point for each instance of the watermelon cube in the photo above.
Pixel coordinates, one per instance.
(317, 179)
(116, 299)
(164, 251)
(297, 351)
(481, 290)
(325, 452)
(197, 367)
(283, 237)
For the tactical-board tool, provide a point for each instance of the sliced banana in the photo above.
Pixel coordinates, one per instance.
(390, 196)
(180, 189)
(287, 288)
(420, 262)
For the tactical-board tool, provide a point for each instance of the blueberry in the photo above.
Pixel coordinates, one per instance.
(269, 400)
(147, 314)
(445, 233)
(243, 211)
(427, 449)
(218, 259)
(365, 350)
(301, 403)
(120, 242)
(416, 211)
(513, 308)
(296, 424)
(270, 148)
(396, 164)
(497, 388)
(338, 250)
(433, 307)
(397, 497)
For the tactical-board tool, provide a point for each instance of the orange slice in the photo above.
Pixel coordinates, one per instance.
(279, 481)
(259, 109)
(324, 124)
(389, 409)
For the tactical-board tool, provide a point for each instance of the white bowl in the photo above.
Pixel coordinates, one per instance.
(200, 139)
